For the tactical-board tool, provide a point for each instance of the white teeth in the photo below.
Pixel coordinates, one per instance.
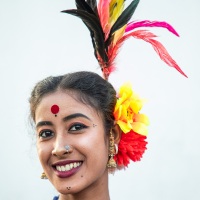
(68, 166)
(71, 165)
(63, 168)
(58, 168)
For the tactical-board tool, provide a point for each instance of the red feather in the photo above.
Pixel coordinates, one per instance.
(158, 47)
(103, 10)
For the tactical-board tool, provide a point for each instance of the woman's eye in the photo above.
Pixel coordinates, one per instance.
(77, 127)
(46, 134)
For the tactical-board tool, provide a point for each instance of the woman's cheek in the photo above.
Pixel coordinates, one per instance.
(43, 152)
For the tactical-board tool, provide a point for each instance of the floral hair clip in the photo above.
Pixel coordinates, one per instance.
(133, 124)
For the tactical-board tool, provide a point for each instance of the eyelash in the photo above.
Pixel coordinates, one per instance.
(49, 133)
(78, 127)
(46, 132)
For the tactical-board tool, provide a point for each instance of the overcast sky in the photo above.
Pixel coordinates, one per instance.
(36, 41)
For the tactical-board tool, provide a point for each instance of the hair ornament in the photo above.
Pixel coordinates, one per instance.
(133, 125)
(109, 28)
(127, 109)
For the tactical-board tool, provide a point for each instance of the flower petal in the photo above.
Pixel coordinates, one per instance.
(141, 118)
(125, 127)
(139, 128)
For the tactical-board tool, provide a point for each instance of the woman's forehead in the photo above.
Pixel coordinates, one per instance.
(63, 103)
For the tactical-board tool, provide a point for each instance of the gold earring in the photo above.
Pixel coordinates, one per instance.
(111, 162)
(43, 176)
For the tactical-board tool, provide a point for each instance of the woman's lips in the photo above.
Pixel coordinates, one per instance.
(65, 169)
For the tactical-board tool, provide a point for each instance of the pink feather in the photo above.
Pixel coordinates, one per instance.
(148, 37)
(147, 23)
(158, 47)
(103, 11)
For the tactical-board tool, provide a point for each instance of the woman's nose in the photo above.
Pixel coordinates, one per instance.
(61, 149)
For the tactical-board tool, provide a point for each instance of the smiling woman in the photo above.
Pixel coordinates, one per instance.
(84, 129)
(73, 145)
(72, 128)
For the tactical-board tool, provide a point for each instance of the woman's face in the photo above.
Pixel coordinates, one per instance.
(81, 128)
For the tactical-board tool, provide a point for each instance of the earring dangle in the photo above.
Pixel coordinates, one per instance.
(43, 176)
(116, 149)
(111, 162)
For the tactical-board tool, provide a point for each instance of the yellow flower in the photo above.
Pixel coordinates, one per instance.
(127, 109)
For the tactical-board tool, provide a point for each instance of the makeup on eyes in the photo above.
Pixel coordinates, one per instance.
(77, 126)
(45, 134)
(74, 124)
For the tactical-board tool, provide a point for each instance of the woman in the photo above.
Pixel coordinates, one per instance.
(84, 129)
(73, 141)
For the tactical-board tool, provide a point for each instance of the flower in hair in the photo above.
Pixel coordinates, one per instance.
(133, 124)
(131, 147)
(127, 114)
(109, 24)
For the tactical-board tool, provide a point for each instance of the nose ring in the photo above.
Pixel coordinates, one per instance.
(67, 147)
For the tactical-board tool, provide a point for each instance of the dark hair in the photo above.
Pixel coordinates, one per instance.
(88, 87)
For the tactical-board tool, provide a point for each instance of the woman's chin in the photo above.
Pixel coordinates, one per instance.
(67, 190)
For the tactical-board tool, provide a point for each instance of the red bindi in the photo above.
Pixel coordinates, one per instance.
(55, 109)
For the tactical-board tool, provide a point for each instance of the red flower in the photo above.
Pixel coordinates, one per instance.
(131, 147)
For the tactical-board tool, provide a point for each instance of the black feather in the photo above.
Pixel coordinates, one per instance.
(93, 5)
(93, 24)
(124, 17)
(81, 4)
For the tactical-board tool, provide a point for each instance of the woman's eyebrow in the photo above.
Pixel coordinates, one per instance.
(75, 115)
(43, 123)
(67, 118)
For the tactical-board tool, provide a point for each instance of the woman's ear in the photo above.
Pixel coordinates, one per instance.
(117, 133)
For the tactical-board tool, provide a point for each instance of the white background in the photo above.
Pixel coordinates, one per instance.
(36, 41)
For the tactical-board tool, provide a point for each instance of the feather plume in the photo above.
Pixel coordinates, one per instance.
(118, 34)
(103, 10)
(93, 24)
(148, 23)
(92, 4)
(158, 47)
(108, 28)
(115, 10)
(122, 20)
(124, 17)
(82, 5)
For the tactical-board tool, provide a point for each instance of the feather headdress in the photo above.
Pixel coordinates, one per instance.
(109, 28)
